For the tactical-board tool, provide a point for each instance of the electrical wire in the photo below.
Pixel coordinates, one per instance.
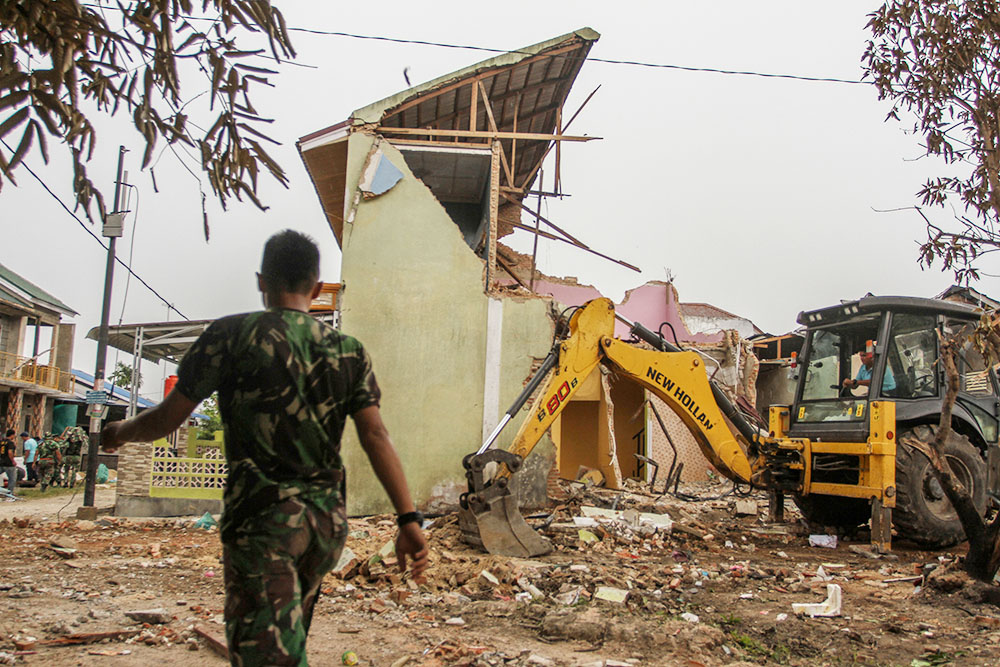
(128, 280)
(96, 237)
(609, 61)
(131, 245)
(469, 47)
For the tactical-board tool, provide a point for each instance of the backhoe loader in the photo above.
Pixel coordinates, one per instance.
(852, 447)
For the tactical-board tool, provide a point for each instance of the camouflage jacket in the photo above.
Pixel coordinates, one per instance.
(76, 440)
(286, 384)
(51, 447)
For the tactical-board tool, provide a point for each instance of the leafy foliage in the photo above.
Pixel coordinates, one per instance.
(210, 408)
(122, 376)
(940, 61)
(60, 60)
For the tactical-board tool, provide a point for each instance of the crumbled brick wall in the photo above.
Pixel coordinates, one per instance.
(135, 466)
(696, 466)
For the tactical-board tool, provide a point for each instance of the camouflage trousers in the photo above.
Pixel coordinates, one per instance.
(273, 576)
(48, 474)
(70, 466)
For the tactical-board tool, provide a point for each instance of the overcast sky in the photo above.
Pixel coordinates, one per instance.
(756, 194)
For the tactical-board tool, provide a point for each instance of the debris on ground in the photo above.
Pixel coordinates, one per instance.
(635, 578)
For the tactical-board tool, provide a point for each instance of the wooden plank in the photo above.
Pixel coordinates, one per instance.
(218, 645)
(538, 219)
(558, 180)
(473, 108)
(429, 131)
(493, 127)
(513, 142)
(87, 638)
(548, 222)
(506, 267)
(518, 225)
(538, 165)
(447, 144)
(491, 252)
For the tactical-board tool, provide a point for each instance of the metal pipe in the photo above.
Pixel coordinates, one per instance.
(543, 371)
(727, 407)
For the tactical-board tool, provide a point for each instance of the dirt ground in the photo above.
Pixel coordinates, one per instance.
(716, 588)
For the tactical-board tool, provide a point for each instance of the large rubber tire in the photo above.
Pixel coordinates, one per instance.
(834, 511)
(923, 512)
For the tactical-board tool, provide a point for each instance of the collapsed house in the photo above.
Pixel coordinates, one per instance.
(419, 189)
(29, 389)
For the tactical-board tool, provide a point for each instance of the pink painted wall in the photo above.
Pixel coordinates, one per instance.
(651, 304)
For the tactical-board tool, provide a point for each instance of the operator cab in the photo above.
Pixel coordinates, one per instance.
(885, 348)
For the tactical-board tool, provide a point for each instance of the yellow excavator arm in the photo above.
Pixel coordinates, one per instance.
(490, 517)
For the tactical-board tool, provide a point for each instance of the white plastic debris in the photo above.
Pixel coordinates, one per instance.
(610, 594)
(662, 522)
(829, 607)
(824, 541)
(690, 618)
(530, 588)
(569, 597)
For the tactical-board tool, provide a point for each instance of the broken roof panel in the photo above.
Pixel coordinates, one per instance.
(526, 89)
(571, 49)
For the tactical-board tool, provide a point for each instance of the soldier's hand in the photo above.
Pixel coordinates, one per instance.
(109, 437)
(411, 543)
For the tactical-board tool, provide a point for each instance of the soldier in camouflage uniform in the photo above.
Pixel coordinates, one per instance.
(76, 441)
(49, 460)
(286, 384)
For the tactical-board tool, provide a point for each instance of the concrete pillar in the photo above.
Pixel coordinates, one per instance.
(135, 469)
(12, 420)
(37, 415)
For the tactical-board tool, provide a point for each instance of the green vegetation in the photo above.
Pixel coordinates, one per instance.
(210, 408)
(31, 492)
(754, 648)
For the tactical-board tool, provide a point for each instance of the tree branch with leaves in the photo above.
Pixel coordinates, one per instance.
(62, 61)
(940, 62)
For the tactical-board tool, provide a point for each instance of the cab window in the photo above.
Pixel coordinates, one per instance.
(913, 355)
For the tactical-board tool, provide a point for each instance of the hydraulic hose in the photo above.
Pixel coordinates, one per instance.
(727, 407)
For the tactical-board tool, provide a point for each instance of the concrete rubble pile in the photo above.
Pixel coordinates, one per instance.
(633, 575)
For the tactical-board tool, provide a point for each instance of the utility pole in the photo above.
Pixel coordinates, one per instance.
(112, 230)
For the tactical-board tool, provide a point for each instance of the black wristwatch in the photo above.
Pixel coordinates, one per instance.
(410, 517)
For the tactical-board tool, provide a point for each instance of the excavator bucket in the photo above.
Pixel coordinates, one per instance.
(500, 529)
(489, 516)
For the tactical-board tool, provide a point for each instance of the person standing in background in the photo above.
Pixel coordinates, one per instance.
(30, 448)
(7, 464)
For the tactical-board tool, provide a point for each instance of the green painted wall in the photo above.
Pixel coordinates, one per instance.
(413, 294)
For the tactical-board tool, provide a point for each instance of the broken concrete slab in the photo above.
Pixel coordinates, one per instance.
(610, 594)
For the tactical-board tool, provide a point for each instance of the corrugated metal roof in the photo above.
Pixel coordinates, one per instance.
(38, 296)
(526, 88)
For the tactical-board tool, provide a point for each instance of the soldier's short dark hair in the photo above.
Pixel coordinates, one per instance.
(10, 432)
(290, 262)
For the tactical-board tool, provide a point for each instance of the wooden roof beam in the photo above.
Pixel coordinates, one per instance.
(486, 75)
(420, 131)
